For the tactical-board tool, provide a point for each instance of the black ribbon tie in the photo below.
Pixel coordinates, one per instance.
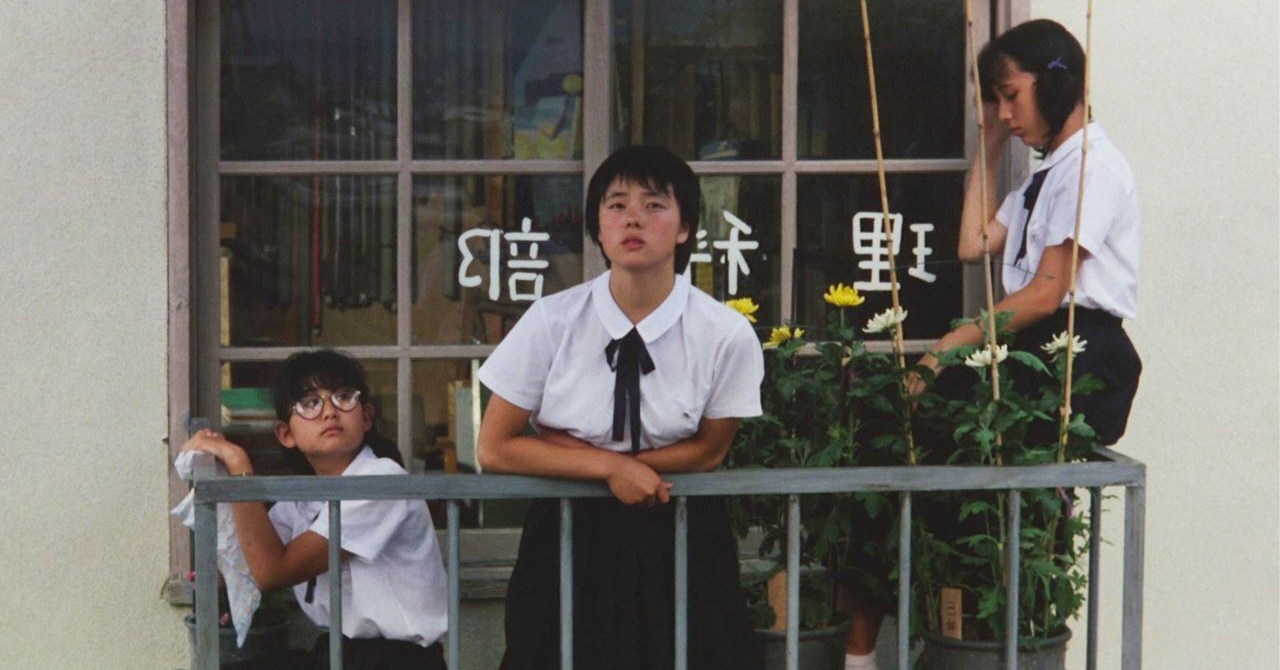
(1029, 198)
(628, 358)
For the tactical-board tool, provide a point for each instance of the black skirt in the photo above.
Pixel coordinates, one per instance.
(1109, 356)
(624, 590)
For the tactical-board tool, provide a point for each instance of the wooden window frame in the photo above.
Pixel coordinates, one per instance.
(194, 169)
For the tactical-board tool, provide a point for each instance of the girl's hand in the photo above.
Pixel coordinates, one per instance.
(634, 483)
(232, 456)
(915, 383)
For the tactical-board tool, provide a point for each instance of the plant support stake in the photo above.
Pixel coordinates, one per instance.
(1075, 243)
(898, 344)
(988, 280)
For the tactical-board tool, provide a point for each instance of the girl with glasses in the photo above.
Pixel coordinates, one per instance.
(394, 614)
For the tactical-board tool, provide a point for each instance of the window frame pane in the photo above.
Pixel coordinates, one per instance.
(196, 350)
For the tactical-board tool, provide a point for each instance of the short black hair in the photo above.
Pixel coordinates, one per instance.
(655, 167)
(1051, 54)
(306, 371)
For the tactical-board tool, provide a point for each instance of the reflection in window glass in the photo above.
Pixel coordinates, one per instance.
(920, 77)
(842, 241)
(308, 79)
(248, 414)
(444, 413)
(488, 246)
(737, 253)
(308, 261)
(700, 77)
(497, 79)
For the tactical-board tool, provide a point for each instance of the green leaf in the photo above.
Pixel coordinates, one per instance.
(1030, 360)
(974, 507)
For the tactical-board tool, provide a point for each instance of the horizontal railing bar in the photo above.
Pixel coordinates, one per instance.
(1106, 454)
(440, 486)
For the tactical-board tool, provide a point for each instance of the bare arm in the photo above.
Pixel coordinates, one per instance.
(502, 447)
(272, 563)
(1029, 305)
(969, 249)
(701, 452)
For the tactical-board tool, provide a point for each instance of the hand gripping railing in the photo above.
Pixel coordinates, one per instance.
(1109, 469)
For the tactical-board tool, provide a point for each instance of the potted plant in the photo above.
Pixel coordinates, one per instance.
(828, 401)
(268, 632)
(959, 560)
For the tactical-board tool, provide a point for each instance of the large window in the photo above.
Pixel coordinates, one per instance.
(402, 178)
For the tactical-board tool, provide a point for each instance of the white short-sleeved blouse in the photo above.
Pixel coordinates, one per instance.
(393, 584)
(1109, 227)
(707, 363)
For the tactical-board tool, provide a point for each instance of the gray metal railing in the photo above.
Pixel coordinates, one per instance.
(1109, 470)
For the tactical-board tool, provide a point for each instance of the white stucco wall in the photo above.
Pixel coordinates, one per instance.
(1188, 92)
(83, 534)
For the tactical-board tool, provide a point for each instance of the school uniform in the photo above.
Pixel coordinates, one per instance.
(579, 365)
(393, 582)
(1042, 213)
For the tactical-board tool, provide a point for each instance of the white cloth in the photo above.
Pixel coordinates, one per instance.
(1109, 226)
(242, 591)
(707, 363)
(393, 579)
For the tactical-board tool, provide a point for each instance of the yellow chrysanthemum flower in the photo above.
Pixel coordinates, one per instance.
(744, 306)
(782, 334)
(843, 296)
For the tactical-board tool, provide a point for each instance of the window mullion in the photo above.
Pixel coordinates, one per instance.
(404, 228)
(210, 319)
(597, 65)
(790, 88)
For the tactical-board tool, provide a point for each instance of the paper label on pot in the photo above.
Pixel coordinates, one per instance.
(951, 613)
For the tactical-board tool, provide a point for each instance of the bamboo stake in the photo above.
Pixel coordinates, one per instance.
(899, 347)
(1075, 244)
(987, 274)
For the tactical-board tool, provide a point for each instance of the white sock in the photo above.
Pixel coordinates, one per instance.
(852, 662)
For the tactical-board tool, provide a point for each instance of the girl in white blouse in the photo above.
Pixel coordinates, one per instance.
(625, 378)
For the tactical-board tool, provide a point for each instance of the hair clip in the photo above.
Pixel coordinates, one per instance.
(1057, 64)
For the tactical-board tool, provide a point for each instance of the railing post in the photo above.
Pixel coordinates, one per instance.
(793, 582)
(206, 565)
(1012, 547)
(682, 583)
(1095, 561)
(566, 584)
(904, 583)
(1135, 508)
(455, 594)
(335, 585)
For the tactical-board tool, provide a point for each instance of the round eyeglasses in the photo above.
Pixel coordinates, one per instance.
(311, 405)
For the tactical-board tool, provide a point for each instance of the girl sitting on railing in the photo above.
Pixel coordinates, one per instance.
(637, 347)
(394, 589)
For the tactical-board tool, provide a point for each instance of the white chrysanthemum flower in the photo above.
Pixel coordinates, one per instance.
(885, 320)
(982, 357)
(1058, 344)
